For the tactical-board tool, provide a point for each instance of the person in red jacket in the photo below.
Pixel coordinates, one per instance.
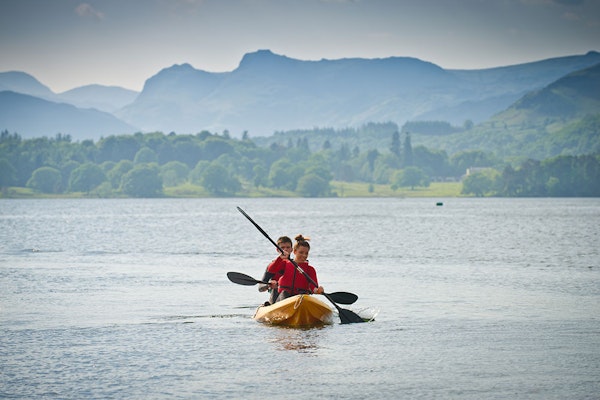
(274, 270)
(293, 281)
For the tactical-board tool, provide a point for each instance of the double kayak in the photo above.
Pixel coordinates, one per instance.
(302, 310)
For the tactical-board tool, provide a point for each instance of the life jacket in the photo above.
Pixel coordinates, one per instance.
(277, 267)
(294, 282)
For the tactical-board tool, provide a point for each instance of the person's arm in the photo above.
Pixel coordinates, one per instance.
(314, 288)
(273, 271)
(262, 287)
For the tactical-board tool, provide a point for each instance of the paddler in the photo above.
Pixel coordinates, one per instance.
(293, 282)
(274, 270)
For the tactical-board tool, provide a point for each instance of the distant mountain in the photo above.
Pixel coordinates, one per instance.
(560, 118)
(269, 93)
(103, 98)
(20, 82)
(512, 82)
(572, 96)
(31, 116)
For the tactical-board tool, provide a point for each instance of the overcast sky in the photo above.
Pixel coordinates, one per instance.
(71, 43)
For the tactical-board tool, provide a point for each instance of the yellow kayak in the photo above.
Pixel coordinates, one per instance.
(297, 311)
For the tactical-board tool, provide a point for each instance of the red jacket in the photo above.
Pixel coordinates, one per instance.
(276, 268)
(294, 282)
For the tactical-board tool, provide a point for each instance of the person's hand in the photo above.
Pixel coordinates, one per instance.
(273, 284)
(319, 290)
(284, 255)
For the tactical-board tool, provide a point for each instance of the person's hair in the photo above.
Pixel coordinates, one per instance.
(302, 241)
(284, 239)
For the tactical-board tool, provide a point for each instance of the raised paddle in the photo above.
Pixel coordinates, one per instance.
(243, 279)
(346, 316)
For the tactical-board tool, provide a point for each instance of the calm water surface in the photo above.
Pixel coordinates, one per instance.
(478, 298)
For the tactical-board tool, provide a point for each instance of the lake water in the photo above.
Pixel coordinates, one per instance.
(476, 299)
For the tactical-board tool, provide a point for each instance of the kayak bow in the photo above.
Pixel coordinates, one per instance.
(297, 311)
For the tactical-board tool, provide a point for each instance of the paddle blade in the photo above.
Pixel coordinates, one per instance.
(346, 316)
(343, 297)
(242, 279)
(349, 317)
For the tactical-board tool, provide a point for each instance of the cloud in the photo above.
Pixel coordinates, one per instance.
(569, 2)
(86, 10)
(571, 16)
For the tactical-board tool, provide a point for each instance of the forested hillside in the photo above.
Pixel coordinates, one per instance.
(562, 118)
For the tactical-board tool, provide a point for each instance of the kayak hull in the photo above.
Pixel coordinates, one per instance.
(296, 311)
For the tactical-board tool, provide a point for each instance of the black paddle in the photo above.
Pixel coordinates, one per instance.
(246, 280)
(346, 316)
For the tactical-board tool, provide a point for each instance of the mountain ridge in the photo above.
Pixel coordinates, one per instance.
(39, 117)
(269, 93)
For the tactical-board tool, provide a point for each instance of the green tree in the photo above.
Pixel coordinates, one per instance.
(409, 177)
(145, 155)
(281, 174)
(196, 174)
(407, 155)
(45, 180)
(66, 170)
(434, 163)
(117, 148)
(317, 164)
(217, 180)
(371, 157)
(116, 173)
(510, 182)
(260, 175)
(395, 146)
(142, 181)
(312, 185)
(344, 153)
(174, 173)
(107, 166)
(86, 177)
(481, 183)
(216, 146)
(8, 173)
(464, 160)
(187, 150)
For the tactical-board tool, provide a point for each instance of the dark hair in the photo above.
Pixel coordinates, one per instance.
(302, 241)
(284, 239)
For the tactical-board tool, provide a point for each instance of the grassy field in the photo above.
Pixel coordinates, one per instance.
(435, 189)
(338, 189)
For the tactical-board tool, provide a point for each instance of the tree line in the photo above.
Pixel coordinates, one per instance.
(143, 164)
(561, 176)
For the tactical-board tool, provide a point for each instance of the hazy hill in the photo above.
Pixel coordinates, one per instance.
(572, 96)
(103, 98)
(269, 93)
(20, 82)
(489, 91)
(560, 118)
(31, 116)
